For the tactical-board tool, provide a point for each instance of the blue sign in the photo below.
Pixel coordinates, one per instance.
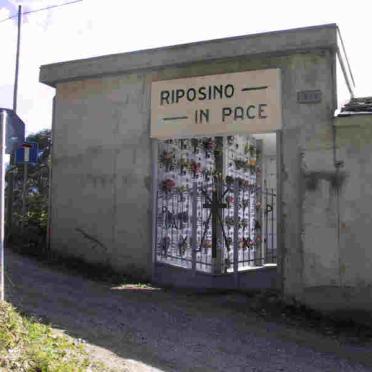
(33, 149)
(15, 130)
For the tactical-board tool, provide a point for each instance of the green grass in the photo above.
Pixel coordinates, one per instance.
(26, 345)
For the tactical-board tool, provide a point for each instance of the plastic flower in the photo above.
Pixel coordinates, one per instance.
(168, 185)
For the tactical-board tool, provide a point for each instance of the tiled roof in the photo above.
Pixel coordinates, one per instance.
(362, 105)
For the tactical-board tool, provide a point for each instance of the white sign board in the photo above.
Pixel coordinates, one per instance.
(241, 102)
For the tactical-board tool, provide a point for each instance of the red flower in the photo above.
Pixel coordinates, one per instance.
(195, 167)
(229, 200)
(168, 185)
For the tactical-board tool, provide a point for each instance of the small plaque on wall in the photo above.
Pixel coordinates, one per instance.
(309, 96)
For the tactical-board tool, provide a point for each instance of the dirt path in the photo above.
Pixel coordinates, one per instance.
(136, 329)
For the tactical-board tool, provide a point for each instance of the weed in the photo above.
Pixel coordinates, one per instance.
(26, 345)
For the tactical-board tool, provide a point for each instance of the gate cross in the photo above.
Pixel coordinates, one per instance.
(215, 205)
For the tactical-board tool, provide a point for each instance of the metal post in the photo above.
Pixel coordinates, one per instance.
(236, 231)
(9, 215)
(217, 215)
(278, 210)
(259, 254)
(266, 223)
(154, 200)
(17, 59)
(2, 201)
(194, 224)
(24, 194)
(272, 226)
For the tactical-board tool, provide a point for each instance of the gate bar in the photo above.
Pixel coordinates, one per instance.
(194, 224)
(236, 231)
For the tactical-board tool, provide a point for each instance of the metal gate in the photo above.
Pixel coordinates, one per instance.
(224, 228)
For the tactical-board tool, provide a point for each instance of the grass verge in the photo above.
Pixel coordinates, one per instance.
(26, 345)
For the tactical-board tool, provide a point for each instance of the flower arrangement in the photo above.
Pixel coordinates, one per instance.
(195, 143)
(206, 244)
(167, 159)
(229, 221)
(181, 189)
(256, 241)
(229, 180)
(181, 192)
(239, 164)
(195, 167)
(245, 202)
(217, 175)
(246, 243)
(183, 165)
(243, 223)
(167, 185)
(183, 143)
(246, 165)
(250, 149)
(207, 173)
(244, 184)
(252, 165)
(229, 201)
(209, 145)
(252, 162)
(230, 140)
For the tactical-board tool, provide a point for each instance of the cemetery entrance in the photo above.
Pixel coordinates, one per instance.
(215, 219)
(215, 209)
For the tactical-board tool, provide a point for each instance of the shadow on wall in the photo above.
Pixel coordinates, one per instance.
(335, 178)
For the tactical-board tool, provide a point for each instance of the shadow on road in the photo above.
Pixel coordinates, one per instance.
(169, 330)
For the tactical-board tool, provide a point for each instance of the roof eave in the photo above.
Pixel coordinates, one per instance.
(272, 43)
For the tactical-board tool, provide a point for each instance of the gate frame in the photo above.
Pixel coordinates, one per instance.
(270, 281)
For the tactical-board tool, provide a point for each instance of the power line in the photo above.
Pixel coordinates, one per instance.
(39, 10)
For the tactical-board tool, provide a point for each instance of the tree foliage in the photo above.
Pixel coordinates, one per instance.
(36, 196)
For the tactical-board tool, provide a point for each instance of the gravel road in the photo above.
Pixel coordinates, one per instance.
(139, 329)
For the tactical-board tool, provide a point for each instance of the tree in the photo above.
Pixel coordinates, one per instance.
(37, 190)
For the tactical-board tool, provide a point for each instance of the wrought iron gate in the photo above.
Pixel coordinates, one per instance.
(197, 229)
(212, 215)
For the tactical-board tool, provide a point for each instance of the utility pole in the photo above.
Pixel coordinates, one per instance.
(2, 200)
(9, 215)
(17, 59)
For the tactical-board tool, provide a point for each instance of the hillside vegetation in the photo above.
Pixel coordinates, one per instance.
(26, 345)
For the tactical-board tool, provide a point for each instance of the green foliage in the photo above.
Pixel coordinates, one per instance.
(26, 345)
(36, 197)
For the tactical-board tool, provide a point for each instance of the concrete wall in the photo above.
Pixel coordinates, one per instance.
(337, 218)
(101, 185)
(101, 199)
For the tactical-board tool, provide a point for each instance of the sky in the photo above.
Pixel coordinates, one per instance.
(98, 27)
